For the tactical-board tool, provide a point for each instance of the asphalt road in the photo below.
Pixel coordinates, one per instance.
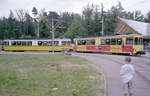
(111, 64)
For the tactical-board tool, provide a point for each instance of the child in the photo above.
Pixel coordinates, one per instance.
(127, 71)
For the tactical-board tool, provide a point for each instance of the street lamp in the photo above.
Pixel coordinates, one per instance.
(36, 20)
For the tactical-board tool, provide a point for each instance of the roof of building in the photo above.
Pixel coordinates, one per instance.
(140, 27)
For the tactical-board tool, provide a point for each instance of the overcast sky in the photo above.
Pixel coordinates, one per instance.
(70, 5)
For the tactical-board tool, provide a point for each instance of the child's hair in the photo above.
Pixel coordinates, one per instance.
(128, 59)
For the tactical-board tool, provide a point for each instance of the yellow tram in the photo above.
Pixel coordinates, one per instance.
(121, 44)
(36, 45)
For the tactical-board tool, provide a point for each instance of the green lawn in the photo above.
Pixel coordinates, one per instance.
(49, 75)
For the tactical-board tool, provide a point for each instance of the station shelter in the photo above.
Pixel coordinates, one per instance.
(126, 26)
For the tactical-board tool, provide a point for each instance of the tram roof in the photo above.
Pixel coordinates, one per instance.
(37, 39)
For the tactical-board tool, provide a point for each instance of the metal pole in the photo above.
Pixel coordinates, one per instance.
(102, 19)
(53, 45)
(38, 34)
(102, 26)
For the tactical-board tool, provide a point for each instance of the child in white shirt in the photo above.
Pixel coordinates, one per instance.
(127, 71)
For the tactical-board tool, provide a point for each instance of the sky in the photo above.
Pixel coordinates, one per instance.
(75, 6)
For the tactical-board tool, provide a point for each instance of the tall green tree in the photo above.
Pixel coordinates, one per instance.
(88, 17)
(44, 28)
(76, 29)
(111, 17)
(147, 17)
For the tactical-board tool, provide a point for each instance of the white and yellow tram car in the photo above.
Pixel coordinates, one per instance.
(36, 45)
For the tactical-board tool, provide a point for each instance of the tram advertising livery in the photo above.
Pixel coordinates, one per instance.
(119, 44)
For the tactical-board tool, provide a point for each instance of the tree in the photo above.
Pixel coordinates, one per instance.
(88, 16)
(75, 30)
(44, 27)
(21, 18)
(147, 18)
(29, 26)
(96, 22)
(111, 17)
(11, 25)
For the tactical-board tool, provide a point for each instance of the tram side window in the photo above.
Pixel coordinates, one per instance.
(113, 41)
(49, 43)
(30, 43)
(136, 41)
(45, 43)
(6, 43)
(79, 42)
(69, 43)
(13, 43)
(40, 43)
(92, 42)
(63, 43)
(23, 43)
(103, 42)
(56, 43)
(129, 41)
(19, 43)
(83, 42)
(119, 41)
(107, 41)
(88, 42)
(141, 41)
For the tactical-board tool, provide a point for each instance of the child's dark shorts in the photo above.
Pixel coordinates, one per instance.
(128, 87)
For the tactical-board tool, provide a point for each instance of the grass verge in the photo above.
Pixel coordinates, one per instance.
(48, 75)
